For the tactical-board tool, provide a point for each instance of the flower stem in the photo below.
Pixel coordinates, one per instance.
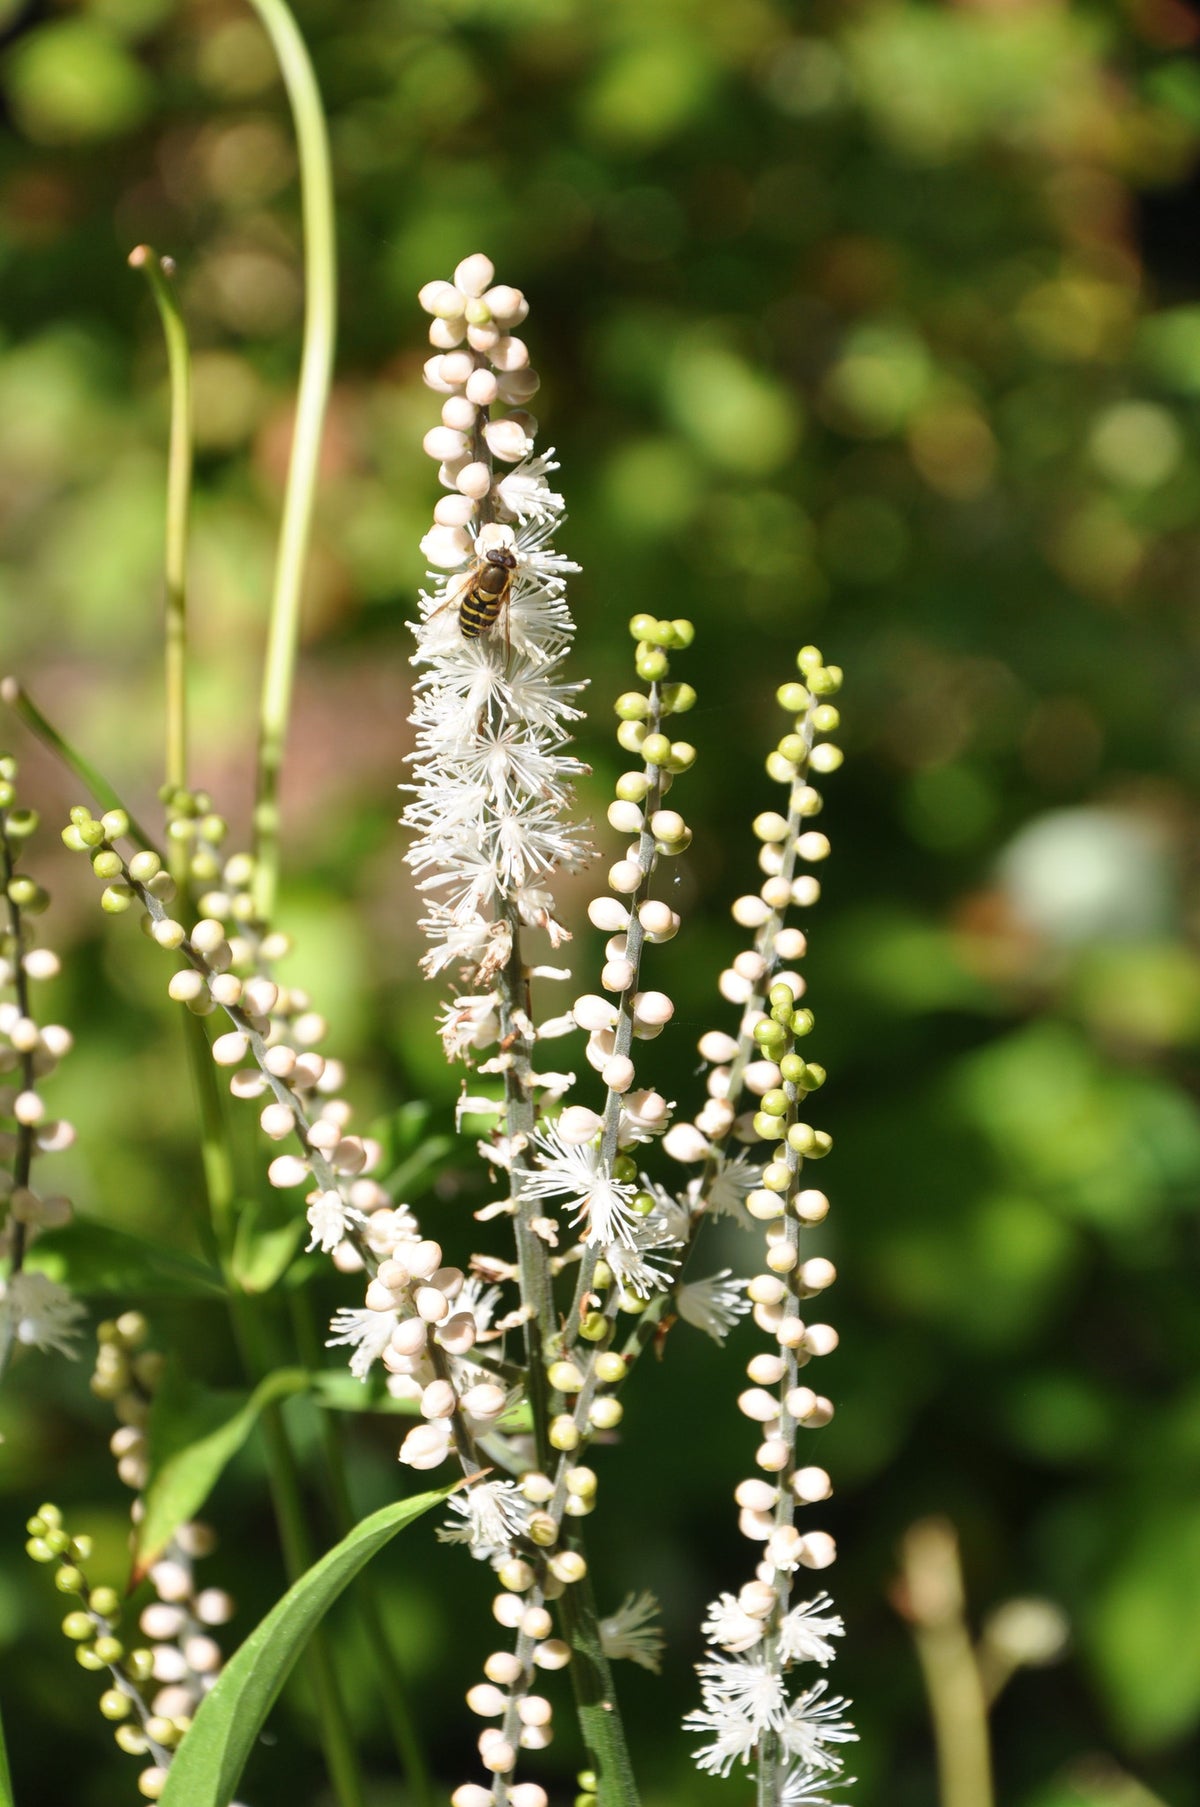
(158, 271)
(933, 1602)
(316, 365)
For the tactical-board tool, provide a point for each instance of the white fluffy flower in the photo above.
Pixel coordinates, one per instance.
(367, 1332)
(805, 1633)
(742, 1700)
(633, 1633)
(576, 1175)
(734, 1178)
(713, 1305)
(330, 1220)
(812, 1722)
(40, 1313)
(730, 1627)
(493, 1515)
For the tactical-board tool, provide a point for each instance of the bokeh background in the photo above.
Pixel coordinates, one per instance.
(872, 324)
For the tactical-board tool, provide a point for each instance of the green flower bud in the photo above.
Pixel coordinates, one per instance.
(21, 823)
(69, 1579)
(51, 1513)
(624, 1168)
(609, 1367)
(114, 1704)
(826, 681)
(631, 1303)
(140, 1664)
(632, 706)
(601, 1276)
(116, 898)
(793, 1069)
(605, 1414)
(593, 1327)
(769, 1127)
(684, 631)
(642, 1203)
(774, 1102)
(631, 735)
(777, 1176)
(27, 894)
(81, 1548)
(826, 718)
(7, 794)
(825, 757)
(656, 749)
(642, 626)
(651, 665)
(39, 1549)
(781, 994)
(79, 813)
(779, 769)
(109, 1649)
(802, 1022)
(565, 1377)
(793, 697)
(677, 699)
(632, 787)
(814, 1077)
(809, 659)
(115, 823)
(143, 867)
(682, 756)
(72, 838)
(106, 1601)
(770, 1035)
(563, 1432)
(106, 863)
(86, 1657)
(77, 1625)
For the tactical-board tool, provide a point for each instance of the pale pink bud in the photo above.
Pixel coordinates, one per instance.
(287, 1170)
(446, 547)
(609, 914)
(453, 511)
(618, 1073)
(444, 444)
(474, 274)
(442, 299)
(434, 377)
(577, 1124)
(517, 386)
(486, 1701)
(756, 1495)
(684, 1142)
(482, 388)
(474, 480)
(426, 1445)
(508, 440)
(509, 354)
(445, 333)
(819, 1550)
(483, 337)
(438, 1400)
(458, 414)
(617, 975)
(593, 1012)
(483, 1402)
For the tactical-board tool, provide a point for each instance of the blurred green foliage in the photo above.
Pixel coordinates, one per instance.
(874, 324)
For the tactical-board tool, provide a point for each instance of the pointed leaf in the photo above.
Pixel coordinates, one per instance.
(193, 1435)
(92, 1258)
(209, 1763)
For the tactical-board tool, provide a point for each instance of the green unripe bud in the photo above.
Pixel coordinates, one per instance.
(652, 664)
(144, 866)
(781, 995)
(642, 626)
(825, 757)
(73, 840)
(131, 1739)
(109, 1649)
(793, 697)
(582, 1483)
(114, 1704)
(79, 813)
(632, 787)
(809, 659)
(777, 1176)
(563, 1432)
(162, 1730)
(58, 1539)
(814, 1077)
(656, 749)
(587, 1779)
(825, 682)
(593, 1327)
(107, 864)
(106, 1601)
(802, 1022)
(770, 1035)
(27, 894)
(826, 718)
(564, 1376)
(51, 1513)
(601, 1276)
(605, 1414)
(86, 1657)
(682, 756)
(684, 631)
(35, 1526)
(793, 1069)
(7, 794)
(768, 1127)
(586, 1800)
(677, 699)
(39, 1550)
(77, 1625)
(642, 1203)
(779, 769)
(630, 1303)
(140, 1664)
(115, 899)
(609, 1367)
(21, 823)
(115, 823)
(792, 747)
(632, 706)
(624, 1169)
(630, 736)
(182, 829)
(774, 1102)
(69, 1579)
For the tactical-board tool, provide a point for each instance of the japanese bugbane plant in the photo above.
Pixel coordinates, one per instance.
(513, 1361)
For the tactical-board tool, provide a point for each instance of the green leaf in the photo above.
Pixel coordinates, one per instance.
(193, 1435)
(342, 1391)
(262, 1250)
(209, 1762)
(93, 1259)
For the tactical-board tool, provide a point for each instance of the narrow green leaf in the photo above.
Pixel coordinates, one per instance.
(342, 1391)
(93, 1259)
(193, 1434)
(263, 1251)
(208, 1765)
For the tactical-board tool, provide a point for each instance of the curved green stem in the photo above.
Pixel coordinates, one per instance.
(13, 692)
(158, 271)
(316, 365)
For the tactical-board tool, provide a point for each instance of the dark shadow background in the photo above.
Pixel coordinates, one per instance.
(869, 324)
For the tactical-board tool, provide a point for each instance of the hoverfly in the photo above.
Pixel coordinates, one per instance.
(484, 591)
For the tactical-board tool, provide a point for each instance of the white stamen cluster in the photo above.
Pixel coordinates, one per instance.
(491, 775)
(759, 1634)
(34, 1310)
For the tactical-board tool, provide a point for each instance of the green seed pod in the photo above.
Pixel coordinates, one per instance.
(624, 1169)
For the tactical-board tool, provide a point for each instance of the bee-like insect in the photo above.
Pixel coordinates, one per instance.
(485, 590)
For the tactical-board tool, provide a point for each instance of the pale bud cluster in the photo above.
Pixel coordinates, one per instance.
(745, 1698)
(34, 1310)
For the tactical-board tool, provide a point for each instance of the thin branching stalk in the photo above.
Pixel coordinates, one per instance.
(14, 694)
